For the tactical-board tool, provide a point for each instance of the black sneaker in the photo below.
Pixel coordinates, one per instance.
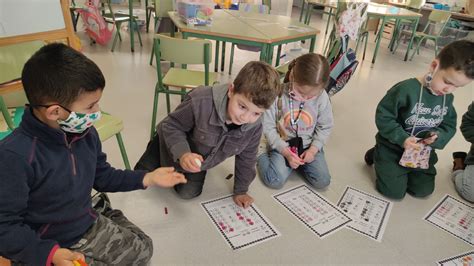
(101, 203)
(459, 155)
(369, 157)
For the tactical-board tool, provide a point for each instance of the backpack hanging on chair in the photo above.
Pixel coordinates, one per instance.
(342, 67)
(343, 61)
(95, 25)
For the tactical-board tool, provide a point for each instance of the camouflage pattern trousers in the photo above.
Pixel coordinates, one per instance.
(114, 240)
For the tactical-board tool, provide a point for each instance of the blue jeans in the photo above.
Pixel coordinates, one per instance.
(274, 172)
(464, 182)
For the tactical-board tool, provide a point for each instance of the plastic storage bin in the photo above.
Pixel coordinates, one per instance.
(195, 12)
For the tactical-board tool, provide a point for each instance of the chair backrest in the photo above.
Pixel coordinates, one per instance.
(439, 19)
(183, 51)
(14, 56)
(415, 4)
(162, 7)
(12, 59)
(254, 8)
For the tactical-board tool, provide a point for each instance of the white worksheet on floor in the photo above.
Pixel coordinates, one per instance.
(313, 210)
(453, 216)
(241, 228)
(369, 213)
(459, 260)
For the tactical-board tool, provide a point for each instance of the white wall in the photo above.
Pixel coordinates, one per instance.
(19, 17)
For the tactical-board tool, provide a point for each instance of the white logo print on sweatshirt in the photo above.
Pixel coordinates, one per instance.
(424, 122)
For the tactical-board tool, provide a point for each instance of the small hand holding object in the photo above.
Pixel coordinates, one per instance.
(163, 177)
(308, 155)
(66, 257)
(189, 162)
(411, 143)
(292, 157)
(429, 139)
(243, 200)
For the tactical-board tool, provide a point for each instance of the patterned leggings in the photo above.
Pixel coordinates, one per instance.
(114, 240)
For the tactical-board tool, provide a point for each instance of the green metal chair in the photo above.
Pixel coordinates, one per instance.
(12, 59)
(401, 24)
(117, 19)
(181, 51)
(437, 18)
(12, 102)
(162, 7)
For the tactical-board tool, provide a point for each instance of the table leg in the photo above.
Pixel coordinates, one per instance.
(379, 37)
(269, 58)
(263, 53)
(312, 44)
(131, 26)
(413, 31)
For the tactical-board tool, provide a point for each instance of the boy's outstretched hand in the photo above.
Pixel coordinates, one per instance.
(65, 257)
(163, 177)
(243, 200)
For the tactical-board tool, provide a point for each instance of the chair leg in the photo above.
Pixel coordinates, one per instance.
(152, 54)
(168, 101)
(118, 26)
(231, 60)
(117, 34)
(223, 57)
(216, 63)
(123, 151)
(139, 35)
(397, 42)
(148, 17)
(417, 48)
(366, 38)
(155, 109)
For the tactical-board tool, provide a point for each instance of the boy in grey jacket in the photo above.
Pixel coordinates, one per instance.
(213, 124)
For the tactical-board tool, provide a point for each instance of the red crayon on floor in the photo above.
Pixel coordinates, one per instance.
(166, 210)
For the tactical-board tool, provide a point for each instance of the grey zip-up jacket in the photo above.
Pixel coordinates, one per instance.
(198, 125)
(314, 124)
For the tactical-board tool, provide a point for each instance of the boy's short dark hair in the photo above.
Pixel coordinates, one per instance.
(58, 73)
(259, 82)
(460, 56)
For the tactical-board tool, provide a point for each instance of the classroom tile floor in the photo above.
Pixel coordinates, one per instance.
(186, 236)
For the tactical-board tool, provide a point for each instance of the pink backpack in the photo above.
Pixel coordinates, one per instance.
(95, 25)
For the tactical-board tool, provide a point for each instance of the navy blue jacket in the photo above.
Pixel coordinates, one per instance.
(45, 188)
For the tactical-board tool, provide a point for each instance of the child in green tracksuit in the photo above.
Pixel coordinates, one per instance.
(419, 111)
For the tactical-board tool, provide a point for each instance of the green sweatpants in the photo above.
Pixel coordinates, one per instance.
(394, 180)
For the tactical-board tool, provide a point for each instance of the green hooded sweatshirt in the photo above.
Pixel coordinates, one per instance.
(401, 109)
